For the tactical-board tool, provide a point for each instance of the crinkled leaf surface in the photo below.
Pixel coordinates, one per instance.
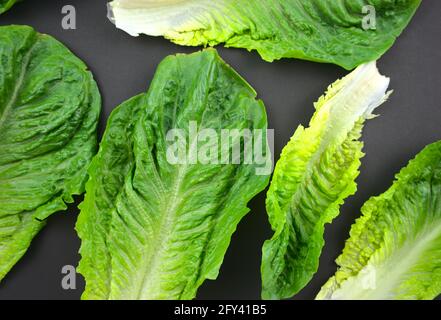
(394, 249)
(334, 31)
(49, 108)
(5, 5)
(316, 172)
(151, 229)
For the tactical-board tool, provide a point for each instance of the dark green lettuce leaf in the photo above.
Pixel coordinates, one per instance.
(5, 5)
(394, 251)
(49, 108)
(317, 30)
(151, 229)
(315, 174)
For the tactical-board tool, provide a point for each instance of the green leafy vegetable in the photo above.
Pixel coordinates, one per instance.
(49, 108)
(394, 251)
(5, 5)
(335, 31)
(155, 229)
(316, 172)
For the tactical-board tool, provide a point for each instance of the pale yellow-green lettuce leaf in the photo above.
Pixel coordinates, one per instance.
(316, 172)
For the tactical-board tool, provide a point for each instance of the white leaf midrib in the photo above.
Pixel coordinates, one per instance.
(168, 216)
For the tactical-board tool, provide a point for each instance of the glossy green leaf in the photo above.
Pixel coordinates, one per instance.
(316, 172)
(394, 251)
(152, 228)
(5, 5)
(344, 32)
(49, 108)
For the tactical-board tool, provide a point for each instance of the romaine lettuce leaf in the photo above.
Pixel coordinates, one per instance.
(49, 109)
(5, 5)
(334, 31)
(316, 172)
(152, 228)
(394, 249)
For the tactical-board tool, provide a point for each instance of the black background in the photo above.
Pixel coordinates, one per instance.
(124, 66)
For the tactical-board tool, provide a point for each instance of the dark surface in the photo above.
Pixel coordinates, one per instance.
(124, 66)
